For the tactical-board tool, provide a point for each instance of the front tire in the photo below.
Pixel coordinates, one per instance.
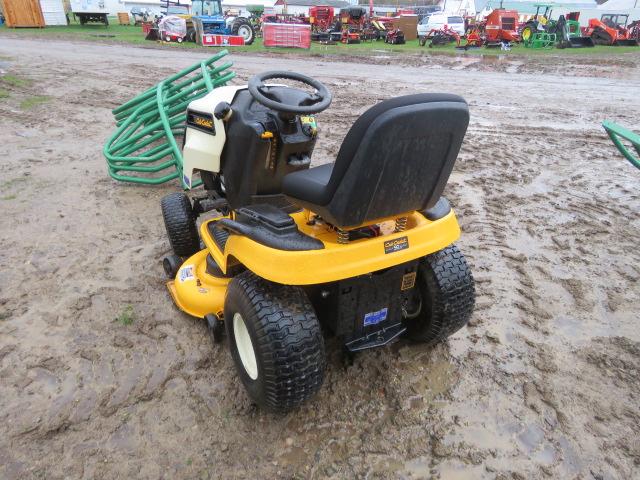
(242, 26)
(446, 297)
(180, 222)
(275, 341)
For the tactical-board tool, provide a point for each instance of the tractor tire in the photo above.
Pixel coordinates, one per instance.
(527, 34)
(180, 222)
(275, 341)
(446, 297)
(241, 26)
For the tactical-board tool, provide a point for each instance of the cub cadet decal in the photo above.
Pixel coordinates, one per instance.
(201, 121)
(396, 245)
(408, 281)
(373, 318)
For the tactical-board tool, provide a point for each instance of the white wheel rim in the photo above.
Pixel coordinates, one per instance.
(245, 32)
(245, 347)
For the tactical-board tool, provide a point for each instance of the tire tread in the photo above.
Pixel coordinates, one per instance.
(180, 223)
(451, 290)
(289, 340)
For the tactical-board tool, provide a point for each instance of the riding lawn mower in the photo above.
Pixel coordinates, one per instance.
(361, 248)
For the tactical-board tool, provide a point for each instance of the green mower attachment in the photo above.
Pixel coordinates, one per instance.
(541, 40)
(143, 148)
(617, 133)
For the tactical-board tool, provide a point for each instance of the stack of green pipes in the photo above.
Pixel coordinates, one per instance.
(143, 149)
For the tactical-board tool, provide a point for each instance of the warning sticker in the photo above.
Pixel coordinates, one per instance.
(396, 245)
(408, 281)
(186, 273)
(373, 318)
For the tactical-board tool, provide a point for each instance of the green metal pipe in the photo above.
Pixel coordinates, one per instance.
(149, 93)
(616, 133)
(198, 79)
(148, 125)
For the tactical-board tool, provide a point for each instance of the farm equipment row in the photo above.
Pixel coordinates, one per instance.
(351, 26)
(501, 28)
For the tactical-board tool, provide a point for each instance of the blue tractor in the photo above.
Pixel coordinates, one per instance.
(215, 22)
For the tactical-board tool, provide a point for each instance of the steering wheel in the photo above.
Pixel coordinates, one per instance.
(289, 99)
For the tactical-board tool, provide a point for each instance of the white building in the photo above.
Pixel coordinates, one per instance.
(301, 7)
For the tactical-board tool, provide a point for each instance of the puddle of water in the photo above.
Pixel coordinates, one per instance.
(546, 455)
(487, 423)
(530, 438)
(449, 470)
(431, 380)
(576, 331)
(293, 456)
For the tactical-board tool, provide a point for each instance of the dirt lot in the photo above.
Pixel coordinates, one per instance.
(542, 384)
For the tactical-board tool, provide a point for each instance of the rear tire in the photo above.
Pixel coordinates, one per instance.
(180, 222)
(447, 297)
(527, 34)
(275, 341)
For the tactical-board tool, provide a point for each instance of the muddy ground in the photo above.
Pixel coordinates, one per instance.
(101, 377)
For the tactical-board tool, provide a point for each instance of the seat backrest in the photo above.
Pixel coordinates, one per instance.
(396, 158)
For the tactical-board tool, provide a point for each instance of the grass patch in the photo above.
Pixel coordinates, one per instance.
(14, 81)
(34, 101)
(3, 93)
(9, 197)
(14, 181)
(127, 316)
(130, 34)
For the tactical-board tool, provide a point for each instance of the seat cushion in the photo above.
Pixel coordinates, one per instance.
(309, 185)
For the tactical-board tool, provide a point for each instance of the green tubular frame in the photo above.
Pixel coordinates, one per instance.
(147, 125)
(617, 133)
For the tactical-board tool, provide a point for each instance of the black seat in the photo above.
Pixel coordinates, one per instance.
(396, 158)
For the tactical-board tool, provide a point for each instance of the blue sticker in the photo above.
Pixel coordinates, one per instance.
(187, 181)
(373, 318)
